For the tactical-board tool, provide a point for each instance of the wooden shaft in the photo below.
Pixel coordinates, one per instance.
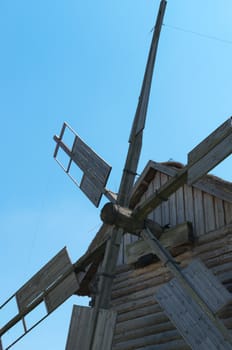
(113, 244)
(135, 141)
(128, 177)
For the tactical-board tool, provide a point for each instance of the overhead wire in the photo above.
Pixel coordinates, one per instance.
(225, 41)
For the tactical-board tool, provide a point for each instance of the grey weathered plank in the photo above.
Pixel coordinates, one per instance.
(173, 237)
(210, 160)
(219, 213)
(96, 171)
(126, 241)
(189, 206)
(43, 279)
(78, 336)
(157, 211)
(209, 184)
(209, 212)
(166, 257)
(211, 141)
(140, 322)
(140, 332)
(89, 162)
(208, 287)
(171, 345)
(150, 190)
(81, 324)
(62, 292)
(199, 212)
(104, 330)
(228, 212)
(180, 205)
(91, 189)
(152, 339)
(172, 209)
(144, 310)
(193, 324)
(164, 205)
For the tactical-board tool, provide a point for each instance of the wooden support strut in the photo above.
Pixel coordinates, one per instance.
(204, 157)
(172, 265)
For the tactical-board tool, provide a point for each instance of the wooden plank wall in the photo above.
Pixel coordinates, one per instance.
(141, 323)
(206, 212)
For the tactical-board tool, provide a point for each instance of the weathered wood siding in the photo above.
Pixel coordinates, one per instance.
(206, 212)
(141, 323)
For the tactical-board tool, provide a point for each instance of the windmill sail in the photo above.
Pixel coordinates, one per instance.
(95, 170)
(189, 318)
(80, 325)
(52, 285)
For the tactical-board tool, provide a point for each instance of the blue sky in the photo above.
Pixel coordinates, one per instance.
(83, 62)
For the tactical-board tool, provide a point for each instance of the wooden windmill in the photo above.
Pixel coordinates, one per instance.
(193, 300)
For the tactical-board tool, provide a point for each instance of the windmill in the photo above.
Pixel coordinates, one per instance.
(59, 279)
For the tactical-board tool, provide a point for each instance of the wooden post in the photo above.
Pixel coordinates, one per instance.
(128, 176)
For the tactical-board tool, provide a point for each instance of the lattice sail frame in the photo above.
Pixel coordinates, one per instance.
(95, 170)
(51, 285)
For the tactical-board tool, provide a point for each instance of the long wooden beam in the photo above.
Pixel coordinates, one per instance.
(204, 157)
(135, 140)
(162, 194)
(128, 178)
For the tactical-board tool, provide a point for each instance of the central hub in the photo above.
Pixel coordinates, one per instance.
(113, 214)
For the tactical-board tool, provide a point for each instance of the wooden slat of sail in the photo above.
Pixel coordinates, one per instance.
(80, 327)
(61, 292)
(105, 330)
(43, 279)
(95, 170)
(208, 287)
(91, 190)
(65, 283)
(89, 162)
(191, 321)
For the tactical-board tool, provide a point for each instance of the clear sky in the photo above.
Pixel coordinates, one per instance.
(83, 62)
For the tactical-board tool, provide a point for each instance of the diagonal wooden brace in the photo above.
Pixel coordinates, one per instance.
(172, 265)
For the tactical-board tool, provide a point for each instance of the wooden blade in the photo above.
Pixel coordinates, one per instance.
(135, 141)
(211, 151)
(95, 170)
(81, 325)
(189, 318)
(53, 284)
(186, 284)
